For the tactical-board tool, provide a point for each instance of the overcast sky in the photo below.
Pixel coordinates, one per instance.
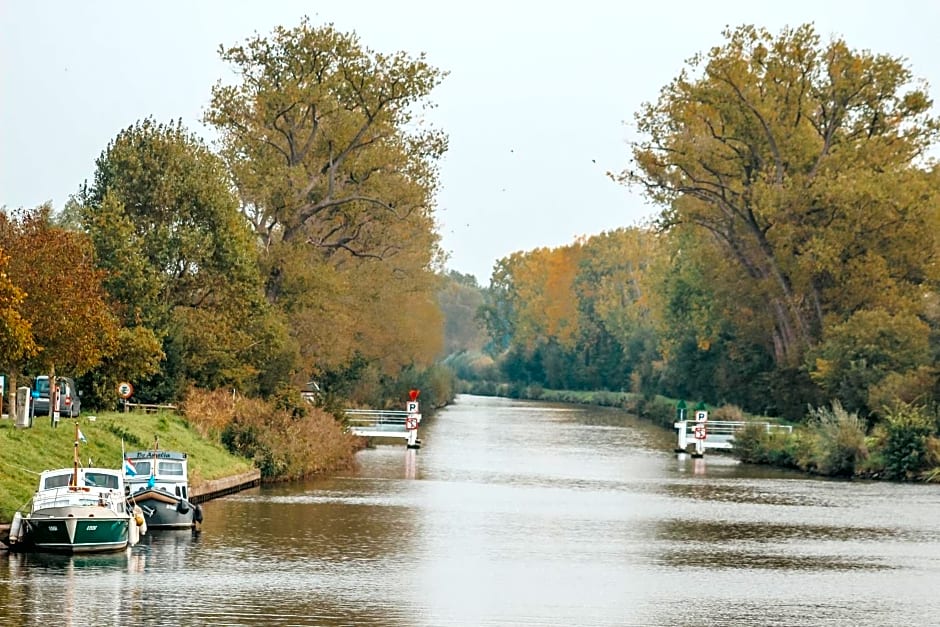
(538, 104)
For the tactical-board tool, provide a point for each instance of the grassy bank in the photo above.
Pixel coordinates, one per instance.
(26, 452)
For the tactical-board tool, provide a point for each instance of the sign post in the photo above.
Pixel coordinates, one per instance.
(700, 430)
(413, 418)
(55, 394)
(125, 390)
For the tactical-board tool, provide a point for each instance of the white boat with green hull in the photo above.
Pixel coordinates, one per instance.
(77, 510)
(158, 483)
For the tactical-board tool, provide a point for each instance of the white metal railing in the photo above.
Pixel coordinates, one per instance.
(378, 422)
(718, 433)
(81, 497)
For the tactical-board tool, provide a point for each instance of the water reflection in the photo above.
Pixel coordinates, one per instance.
(67, 589)
(518, 513)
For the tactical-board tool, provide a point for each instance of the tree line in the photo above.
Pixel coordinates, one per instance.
(792, 263)
(302, 246)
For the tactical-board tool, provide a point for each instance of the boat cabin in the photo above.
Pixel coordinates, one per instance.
(96, 486)
(167, 469)
(86, 478)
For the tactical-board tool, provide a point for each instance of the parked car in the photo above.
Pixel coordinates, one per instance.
(70, 402)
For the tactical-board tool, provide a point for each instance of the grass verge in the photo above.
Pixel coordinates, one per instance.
(26, 452)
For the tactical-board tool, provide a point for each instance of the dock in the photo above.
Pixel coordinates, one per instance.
(226, 485)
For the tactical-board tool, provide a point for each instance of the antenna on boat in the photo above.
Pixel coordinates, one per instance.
(74, 482)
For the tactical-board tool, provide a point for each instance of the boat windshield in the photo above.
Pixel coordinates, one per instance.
(57, 481)
(101, 480)
(170, 468)
(141, 468)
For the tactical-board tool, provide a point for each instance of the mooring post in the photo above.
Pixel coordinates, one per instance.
(682, 428)
(681, 425)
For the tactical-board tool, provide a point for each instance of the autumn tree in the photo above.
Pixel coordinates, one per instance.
(577, 316)
(803, 161)
(460, 298)
(618, 338)
(711, 339)
(180, 258)
(16, 335)
(67, 308)
(532, 306)
(336, 174)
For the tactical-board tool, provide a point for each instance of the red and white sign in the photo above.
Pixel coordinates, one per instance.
(411, 423)
(700, 432)
(125, 389)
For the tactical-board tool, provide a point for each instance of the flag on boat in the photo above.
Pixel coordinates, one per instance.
(129, 468)
(81, 436)
(152, 481)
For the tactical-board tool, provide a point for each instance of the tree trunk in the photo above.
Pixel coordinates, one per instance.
(52, 396)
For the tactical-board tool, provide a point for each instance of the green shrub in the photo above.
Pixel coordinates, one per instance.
(785, 448)
(838, 441)
(245, 440)
(658, 410)
(750, 445)
(907, 450)
(727, 412)
(755, 445)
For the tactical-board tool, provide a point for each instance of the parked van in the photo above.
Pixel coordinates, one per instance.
(70, 403)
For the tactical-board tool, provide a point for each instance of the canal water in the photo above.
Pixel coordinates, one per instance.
(518, 513)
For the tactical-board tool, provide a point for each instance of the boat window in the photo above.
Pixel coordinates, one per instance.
(101, 480)
(57, 481)
(170, 468)
(142, 468)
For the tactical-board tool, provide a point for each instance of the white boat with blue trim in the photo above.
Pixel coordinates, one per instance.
(157, 481)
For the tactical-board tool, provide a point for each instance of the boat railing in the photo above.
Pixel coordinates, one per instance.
(69, 496)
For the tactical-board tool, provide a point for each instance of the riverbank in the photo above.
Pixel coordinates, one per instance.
(903, 446)
(209, 490)
(27, 452)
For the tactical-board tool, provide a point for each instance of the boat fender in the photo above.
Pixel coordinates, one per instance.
(16, 528)
(140, 520)
(197, 513)
(133, 535)
(182, 507)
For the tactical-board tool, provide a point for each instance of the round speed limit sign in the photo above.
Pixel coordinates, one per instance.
(125, 389)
